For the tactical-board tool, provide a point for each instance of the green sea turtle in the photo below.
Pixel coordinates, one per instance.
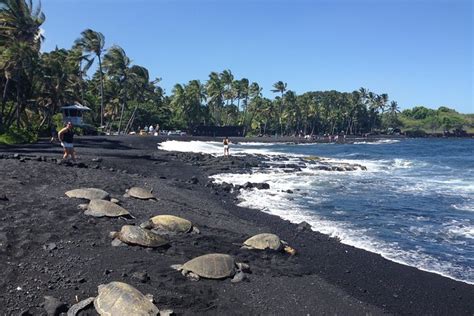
(169, 224)
(122, 299)
(88, 194)
(140, 193)
(212, 266)
(135, 235)
(268, 241)
(101, 208)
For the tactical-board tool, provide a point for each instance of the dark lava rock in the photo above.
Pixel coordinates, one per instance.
(141, 276)
(193, 180)
(248, 185)
(261, 186)
(227, 187)
(50, 246)
(303, 226)
(53, 306)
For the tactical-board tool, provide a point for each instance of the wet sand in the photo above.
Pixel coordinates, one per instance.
(48, 247)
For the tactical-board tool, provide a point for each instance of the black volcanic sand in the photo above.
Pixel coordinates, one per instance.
(48, 247)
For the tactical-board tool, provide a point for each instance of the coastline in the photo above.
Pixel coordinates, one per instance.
(325, 277)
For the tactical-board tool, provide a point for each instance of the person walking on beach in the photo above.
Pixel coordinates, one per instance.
(54, 134)
(226, 143)
(66, 136)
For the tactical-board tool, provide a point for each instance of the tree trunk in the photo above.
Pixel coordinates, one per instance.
(101, 92)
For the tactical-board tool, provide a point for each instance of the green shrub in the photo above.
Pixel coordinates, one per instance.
(15, 136)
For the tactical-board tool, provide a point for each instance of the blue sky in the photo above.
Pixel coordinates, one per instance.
(418, 51)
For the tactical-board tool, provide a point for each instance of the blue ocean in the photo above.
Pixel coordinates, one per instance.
(414, 204)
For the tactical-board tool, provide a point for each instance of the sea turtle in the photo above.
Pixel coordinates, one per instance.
(268, 241)
(212, 266)
(118, 298)
(135, 235)
(140, 193)
(88, 194)
(169, 224)
(101, 208)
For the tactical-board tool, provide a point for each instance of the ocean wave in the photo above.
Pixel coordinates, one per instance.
(294, 207)
(216, 148)
(456, 228)
(378, 142)
(469, 207)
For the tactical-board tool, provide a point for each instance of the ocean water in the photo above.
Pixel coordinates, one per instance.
(414, 204)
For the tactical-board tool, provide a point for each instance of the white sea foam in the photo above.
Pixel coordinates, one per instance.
(278, 202)
(216, 148)
(398, 176)
(378, 142)
(468, 206)
(457, 228)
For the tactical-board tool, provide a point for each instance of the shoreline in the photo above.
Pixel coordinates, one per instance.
(325, 277)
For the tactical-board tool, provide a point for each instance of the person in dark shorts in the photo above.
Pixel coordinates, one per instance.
(66, 136)
(54, 134)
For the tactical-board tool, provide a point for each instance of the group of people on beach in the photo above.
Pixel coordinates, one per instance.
(66, 137)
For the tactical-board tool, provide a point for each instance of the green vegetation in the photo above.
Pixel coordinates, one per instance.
(436, 121)
(123, 97)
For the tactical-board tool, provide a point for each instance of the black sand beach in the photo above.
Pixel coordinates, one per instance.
(48, 247)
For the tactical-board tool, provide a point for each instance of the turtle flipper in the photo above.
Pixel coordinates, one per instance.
(192, 276)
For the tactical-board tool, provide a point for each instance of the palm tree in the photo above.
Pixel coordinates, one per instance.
(93, 42)
(215, 93)
(280, 87)
(20, 41)
(227, 78)
(116, 63)
(140, 86)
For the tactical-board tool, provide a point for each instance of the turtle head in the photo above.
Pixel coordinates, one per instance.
(289, 250)
(147, 225)
(113, 234)
(243, 267)
(178, 267)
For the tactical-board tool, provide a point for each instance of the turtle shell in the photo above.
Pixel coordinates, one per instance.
(171, 223)
(101, 208)
(88, 194)
(122, 299)
(263, 241)
(138, 236)
(140, 193)
(211, 266)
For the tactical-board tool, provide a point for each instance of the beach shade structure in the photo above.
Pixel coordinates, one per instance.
(74, 113)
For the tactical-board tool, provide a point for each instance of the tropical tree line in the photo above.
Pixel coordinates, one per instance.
(123, 97)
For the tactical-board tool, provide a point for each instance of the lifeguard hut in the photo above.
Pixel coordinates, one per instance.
(74, 113)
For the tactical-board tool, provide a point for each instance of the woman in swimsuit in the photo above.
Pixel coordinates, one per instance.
(226, 146)
(66, 136)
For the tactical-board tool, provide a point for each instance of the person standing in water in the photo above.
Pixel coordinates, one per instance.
(226, 143)
(66, 136)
